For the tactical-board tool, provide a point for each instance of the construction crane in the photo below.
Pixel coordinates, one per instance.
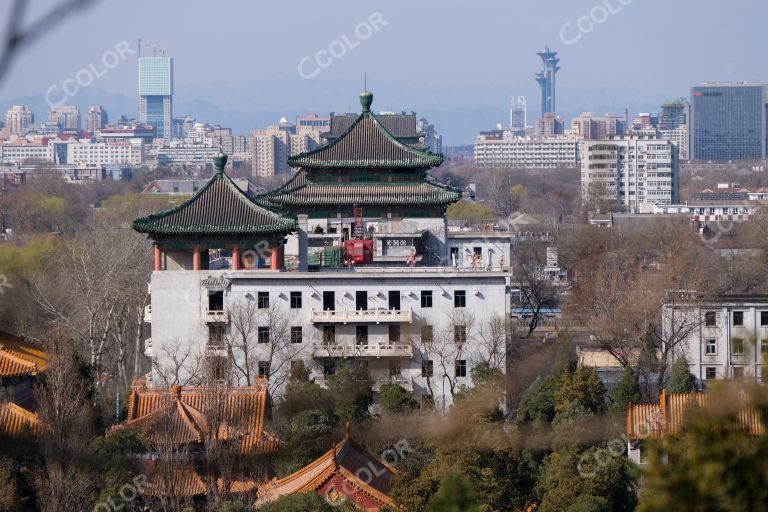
(156, 48)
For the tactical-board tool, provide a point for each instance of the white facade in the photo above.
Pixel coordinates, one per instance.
(423, 328)
(507, 151)
(106, 153)
(636, 171)
(18, 153)
(729, 338)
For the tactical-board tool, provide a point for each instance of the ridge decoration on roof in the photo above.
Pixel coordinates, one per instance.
(300, 191)
(218, 208)
(366, 144)
(347, 470)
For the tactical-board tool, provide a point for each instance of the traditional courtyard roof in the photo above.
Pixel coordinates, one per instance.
(667, 417)
(183, 415)
(346, 470)
(300, 191)
(401, 126)
(187, 481)
(19, 357)
(218, 208)
(366, 144)
(15, 420)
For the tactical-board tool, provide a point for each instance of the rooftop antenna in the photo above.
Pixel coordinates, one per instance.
(365, 81)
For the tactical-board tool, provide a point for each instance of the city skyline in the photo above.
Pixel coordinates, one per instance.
(248, 97)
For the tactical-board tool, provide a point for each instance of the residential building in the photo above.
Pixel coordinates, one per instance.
(156, 94)
(271, 148)
(546, 78)
(728, 122)
(65, 117)
(501, 148)
(725, 337)
(589, 127)
(432, 140)
(549, 125)
(96, 119)
(18, 119)
(636, 171)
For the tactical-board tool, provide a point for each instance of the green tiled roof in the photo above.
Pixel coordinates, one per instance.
(300, 191)
(366, 144)
(219, 208)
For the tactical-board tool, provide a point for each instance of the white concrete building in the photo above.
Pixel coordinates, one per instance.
(500, 148)
(636, 171)
(728, 337)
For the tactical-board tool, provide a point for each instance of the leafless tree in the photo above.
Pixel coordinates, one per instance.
(179, 364)
(492, 336)
(537, 291)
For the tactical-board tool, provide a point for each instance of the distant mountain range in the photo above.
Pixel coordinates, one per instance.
(248, 106)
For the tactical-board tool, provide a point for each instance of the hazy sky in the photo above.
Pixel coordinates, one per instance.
(426, 56)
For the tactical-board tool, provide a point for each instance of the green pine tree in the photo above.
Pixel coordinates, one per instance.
(455, 495)
(627, 391)
(680, 378)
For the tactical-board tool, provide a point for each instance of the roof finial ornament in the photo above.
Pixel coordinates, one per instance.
(219, 162)
(366, 98)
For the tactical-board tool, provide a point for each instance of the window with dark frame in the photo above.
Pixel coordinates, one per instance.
(461, 368)
(329, 334)
(710, 373)
(361, 335)
(216, 301)
(295, 300)
(329, 367)
(427, 368)
(361, 300)
(297, 335)
(710, 319)
(460, 299)
(764, 318)
(262, 334)
(764, 346)
(710, 347)
(394, 334)
(738, 346)
(263, 368)
(738, 318)
(459, 334)
(262, 300)
(738, 372)
(427, 334)
(426, 298)
(216, 336)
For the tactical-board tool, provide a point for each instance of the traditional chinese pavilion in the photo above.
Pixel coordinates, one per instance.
(346, 472)
(218, 227)
(368, 183)
(20, 361)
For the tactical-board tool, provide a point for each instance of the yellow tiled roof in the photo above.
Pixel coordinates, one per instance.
(15, 420)
(19, 357)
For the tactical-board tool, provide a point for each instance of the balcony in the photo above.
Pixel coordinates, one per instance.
(215, 317)
(401, 381)
(148, 314)
(393, 350)
(363, 316)
(148, 347)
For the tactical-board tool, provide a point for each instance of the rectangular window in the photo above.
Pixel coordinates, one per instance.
(738, 346)
(216, 336)
(361, 335)
(297, 335)
(394, 299)
(710, 373)
(710, 319)
(329, 334)
(738, 372)
(361, 300)
(710, 347)
(427, 368)
(738, 318)
(329, 367)
(764, 346)
(329, 301)
(461, 368)
(216, 301)
(764, 318)
(263, 368)
(295, 300)
(478, 251)
(460, 299)
(262, 334)
(394, 334)
(262, 300)
(426, 298)
(427, 334)
(459, 334)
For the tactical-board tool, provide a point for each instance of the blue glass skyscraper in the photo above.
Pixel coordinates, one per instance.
(728, 122)
(156, 94)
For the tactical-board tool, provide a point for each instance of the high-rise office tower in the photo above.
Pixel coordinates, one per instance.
(156, 94)
(96, 119)
(546, 80)
(65, 117)
(674, 114)
(728, 122)
(518, 113)
(19, 118)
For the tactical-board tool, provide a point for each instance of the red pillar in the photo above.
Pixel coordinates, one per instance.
(235, 257)
(274, 260)
(196, 258)
(158, 259)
